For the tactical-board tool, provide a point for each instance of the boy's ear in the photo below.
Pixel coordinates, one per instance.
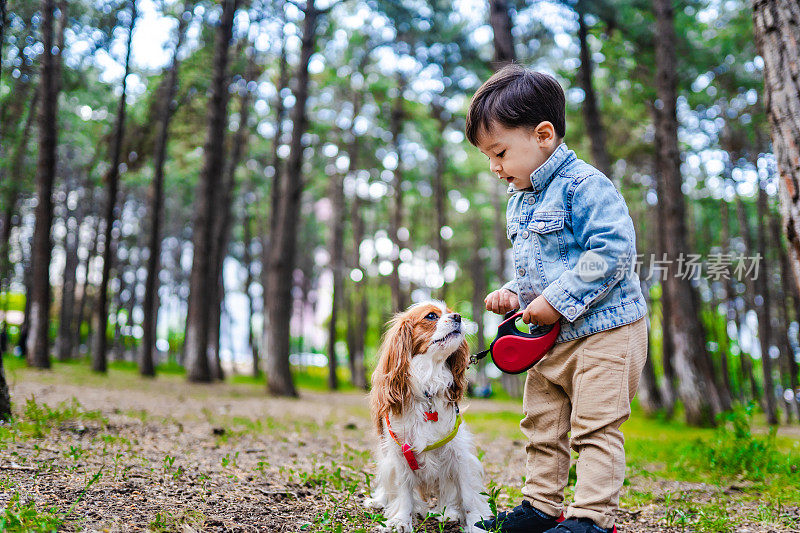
(545, 132)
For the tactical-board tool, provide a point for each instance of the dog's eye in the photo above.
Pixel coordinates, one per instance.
(432, 316)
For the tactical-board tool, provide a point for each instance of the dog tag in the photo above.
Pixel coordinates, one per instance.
(432, 417)
(408, 453)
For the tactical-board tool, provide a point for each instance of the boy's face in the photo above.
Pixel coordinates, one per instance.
(514, 153)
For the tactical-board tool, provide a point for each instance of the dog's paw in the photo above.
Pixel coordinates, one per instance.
(447, 514)
(374, 503)
(397, 525)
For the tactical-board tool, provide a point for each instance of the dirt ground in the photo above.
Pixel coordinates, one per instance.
(178, 457)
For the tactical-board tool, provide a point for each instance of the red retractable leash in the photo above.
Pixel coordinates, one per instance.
(514, 351)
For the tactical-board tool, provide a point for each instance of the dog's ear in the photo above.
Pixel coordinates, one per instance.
(391, 386)
(458, 363)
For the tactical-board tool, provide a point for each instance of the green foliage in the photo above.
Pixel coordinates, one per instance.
(24, 517)
(736, 451)
(37, 419)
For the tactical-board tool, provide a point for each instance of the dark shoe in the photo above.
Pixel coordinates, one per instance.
(580, 525)
(525, 518)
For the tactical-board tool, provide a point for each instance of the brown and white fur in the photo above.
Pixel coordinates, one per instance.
(424, 351)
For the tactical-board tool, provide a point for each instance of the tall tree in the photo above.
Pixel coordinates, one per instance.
(696, 387)
(198, 314)
(5, 396)
(283, 245)
(277, 184)
(500, 20)
(151, 300)
(224, 216)
(777, 25)
(38, 349)
(591, 113)
(766, 332)
(100, 344)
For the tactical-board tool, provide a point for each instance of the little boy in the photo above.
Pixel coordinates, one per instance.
(574, 252)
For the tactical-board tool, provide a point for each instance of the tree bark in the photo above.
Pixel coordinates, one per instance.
(336, 253)
(591, 114)
(785, 302)
(65, 338)
(358, 317)
(248, 260)
(38, 349)
(11, 195)
(750, 290)
(282, 254)
(151, 299)
(500, 20)
(100, 345)
(776, 26)
(275, 194)
(696, 387)
(399, 301)
(440, 115)
(766, 334)
(223, 219)
(198, 313)
(5, 397)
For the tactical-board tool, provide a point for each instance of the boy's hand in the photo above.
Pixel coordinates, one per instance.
(540, 313)
(501, 301)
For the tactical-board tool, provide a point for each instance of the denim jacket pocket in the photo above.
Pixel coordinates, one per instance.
(511, 231)
(549, 230)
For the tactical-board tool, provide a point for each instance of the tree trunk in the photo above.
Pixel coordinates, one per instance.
(358, 317)
(744, 232)
(282, 254)
(275, 195)
(38, 350)
(399, 301)
(500, 20)
(648, 393)
(440, 115)
(248, 263)
(336, 252)
(5, 397)
(65, 338)
(504, 53)
(85, 285)
(777, 25)
(151, 300)
(784, 303)
(725, 345)
(208, 185)
(696, 387)
(12, 194)
(765, 332)
(223, 219)
(100, 345)
(591, 115)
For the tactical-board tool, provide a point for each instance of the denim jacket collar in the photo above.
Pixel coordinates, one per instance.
(541, 177)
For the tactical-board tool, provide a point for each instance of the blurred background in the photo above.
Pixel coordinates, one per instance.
(252, 188)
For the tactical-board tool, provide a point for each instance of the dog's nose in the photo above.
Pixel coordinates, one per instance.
(457, 318)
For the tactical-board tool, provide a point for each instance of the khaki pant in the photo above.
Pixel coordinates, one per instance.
(584, 386)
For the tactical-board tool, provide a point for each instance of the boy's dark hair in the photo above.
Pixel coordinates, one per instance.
(516, 97)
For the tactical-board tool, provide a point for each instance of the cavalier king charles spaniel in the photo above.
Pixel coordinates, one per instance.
(424, 450)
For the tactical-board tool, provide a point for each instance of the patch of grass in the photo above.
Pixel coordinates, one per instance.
(37, 419)
(23, 517)
(165, 521)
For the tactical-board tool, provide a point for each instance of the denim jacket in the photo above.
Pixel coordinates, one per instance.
(573, 241)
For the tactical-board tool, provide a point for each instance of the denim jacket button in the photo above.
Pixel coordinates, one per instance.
(521, 271)
(541, 225)
(531, 200)
(524, 234)
(571, 310)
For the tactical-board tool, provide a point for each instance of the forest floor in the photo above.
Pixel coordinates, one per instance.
(119, 453)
